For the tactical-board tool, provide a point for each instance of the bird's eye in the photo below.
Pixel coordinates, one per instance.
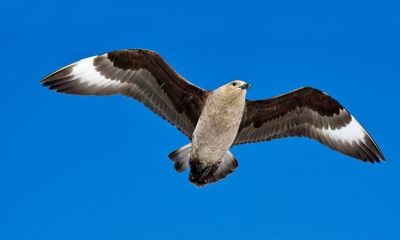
(234, 84)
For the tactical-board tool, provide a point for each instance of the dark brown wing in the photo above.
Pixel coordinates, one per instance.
(307, 112)
(140, 74)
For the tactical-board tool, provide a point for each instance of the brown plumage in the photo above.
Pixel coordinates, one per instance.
(302, 113)
(140, 74)
(215, 120)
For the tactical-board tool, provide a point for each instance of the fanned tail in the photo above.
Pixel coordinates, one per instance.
(202, 174)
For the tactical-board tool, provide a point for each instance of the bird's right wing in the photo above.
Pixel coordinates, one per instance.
(307, 112)
(140, 74)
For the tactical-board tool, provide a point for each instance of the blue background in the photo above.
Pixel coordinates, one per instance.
(97, 168)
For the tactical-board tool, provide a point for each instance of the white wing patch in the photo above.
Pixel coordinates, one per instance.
(141, 75)
(352, 132)
(86, 72)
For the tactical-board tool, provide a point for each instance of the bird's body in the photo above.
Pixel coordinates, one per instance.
(214, 121)
(218, 124)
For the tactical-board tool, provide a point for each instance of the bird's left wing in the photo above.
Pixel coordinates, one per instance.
(140, 74)
(307, 112)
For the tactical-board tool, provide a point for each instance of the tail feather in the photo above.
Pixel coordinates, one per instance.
(181, 157)
(201, 174)
(226, 167)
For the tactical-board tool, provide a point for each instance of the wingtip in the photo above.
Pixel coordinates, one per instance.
(57, 75)
(375, 149)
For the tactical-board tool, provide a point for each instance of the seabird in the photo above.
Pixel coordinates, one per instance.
(214, 121)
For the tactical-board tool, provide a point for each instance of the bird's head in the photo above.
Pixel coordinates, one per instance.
(236, 89)
(236, 86)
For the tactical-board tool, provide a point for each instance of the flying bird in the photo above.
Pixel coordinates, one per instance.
(214, 121)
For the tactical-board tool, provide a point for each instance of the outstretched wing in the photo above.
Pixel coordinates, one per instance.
(307, 112)
(139, 74)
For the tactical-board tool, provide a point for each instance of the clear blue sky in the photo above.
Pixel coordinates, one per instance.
(97, 168)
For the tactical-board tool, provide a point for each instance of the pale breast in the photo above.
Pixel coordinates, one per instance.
(217, 127)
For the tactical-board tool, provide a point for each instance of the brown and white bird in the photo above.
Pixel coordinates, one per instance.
(214, 121)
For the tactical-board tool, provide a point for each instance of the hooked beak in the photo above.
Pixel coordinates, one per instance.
(245, 86)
